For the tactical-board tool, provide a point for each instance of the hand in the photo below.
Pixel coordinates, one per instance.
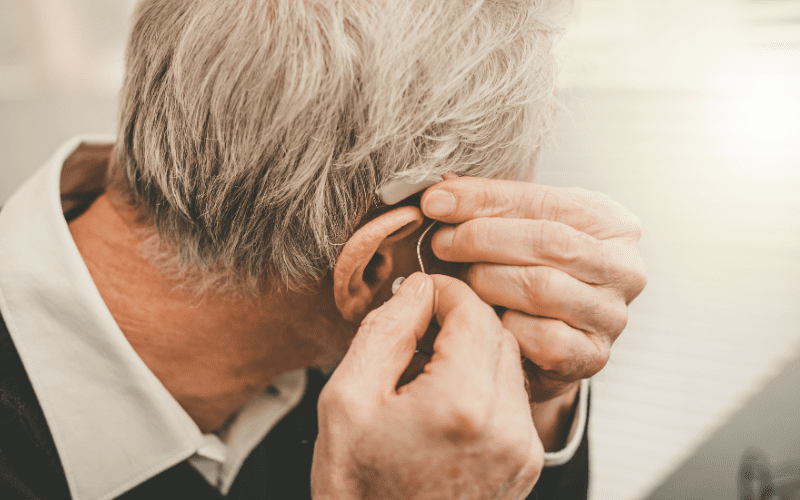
(564, 262)
(461, 429)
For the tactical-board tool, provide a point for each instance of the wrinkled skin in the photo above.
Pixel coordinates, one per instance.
(563, 261)
(433, 437)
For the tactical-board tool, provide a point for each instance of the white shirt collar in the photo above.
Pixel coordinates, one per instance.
(113, 422)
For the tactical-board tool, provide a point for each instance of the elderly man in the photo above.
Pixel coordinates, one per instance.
(165, 301)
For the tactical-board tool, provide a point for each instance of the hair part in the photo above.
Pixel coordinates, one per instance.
(253, 134)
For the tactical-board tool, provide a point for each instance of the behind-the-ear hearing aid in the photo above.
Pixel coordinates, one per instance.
(398, 190)
(390, 194)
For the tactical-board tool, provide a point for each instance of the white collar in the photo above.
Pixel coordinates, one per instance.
(113, 422)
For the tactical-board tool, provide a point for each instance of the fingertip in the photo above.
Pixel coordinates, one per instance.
(416, 286)
(441, 281)
(443, 240)
(438, 203)
(450, 293)
(385, 342)
(417, 301)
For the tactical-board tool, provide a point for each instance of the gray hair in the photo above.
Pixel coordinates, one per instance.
(253, 134)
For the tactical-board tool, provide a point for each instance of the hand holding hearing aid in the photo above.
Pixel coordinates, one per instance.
(466, 410)
(563, 262)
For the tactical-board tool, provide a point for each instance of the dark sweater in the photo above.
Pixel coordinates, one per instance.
(278, 468)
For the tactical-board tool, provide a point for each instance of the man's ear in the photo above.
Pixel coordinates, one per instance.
(367, 260)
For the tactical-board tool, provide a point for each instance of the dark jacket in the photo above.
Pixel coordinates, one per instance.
(278, 468)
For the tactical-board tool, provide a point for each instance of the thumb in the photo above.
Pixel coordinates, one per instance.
(387, 339)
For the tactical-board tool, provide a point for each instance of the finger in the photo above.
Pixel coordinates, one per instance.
(469, 344)
(516, 413)
(543, 388)
(421, 356)
(387, 338)
(524, 242)
(550, 293)
(458, 200)
(511, 377)
(560, 353)
(415, 367)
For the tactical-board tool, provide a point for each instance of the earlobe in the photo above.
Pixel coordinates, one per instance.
(367, 260)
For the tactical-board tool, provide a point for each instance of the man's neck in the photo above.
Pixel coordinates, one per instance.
(211, 352)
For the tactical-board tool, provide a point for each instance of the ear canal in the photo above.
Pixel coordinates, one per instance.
(366, 260)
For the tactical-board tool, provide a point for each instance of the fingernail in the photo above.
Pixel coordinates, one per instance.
(413, 286)
(439, 204)
(444, 236)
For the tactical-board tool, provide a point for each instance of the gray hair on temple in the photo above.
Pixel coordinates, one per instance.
(253, 135)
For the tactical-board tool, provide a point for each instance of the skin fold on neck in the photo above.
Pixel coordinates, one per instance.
(212, 352)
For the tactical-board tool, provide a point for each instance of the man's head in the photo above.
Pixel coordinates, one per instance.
(254, 133)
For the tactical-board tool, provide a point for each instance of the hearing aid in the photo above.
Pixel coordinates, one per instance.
(397, 191)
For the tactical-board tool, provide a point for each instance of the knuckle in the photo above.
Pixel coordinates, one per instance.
(639, 278)
(609, 317)
(538, 281)
(619, 320)
(328, 398)
(604, 262)
(557, 362)
(610, 210)
(607, 266)
(584, 196)
(463, 422)
(507, 339)
(484, 310)
(623, 217)
(516, 447)
(512, 450)
(463, 427)
(472, 275)
(633, 279)
(475, 234)
(598, 360)
(372, 318)
(497, 198)
(332, 394)
(342, 397)
(566, 245)
(549, 205)
(486, 194)
(623, 268)
(534, 236)
(478, 314)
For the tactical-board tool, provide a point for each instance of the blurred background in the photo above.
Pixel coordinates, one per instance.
(685, 111)
(688, 113)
